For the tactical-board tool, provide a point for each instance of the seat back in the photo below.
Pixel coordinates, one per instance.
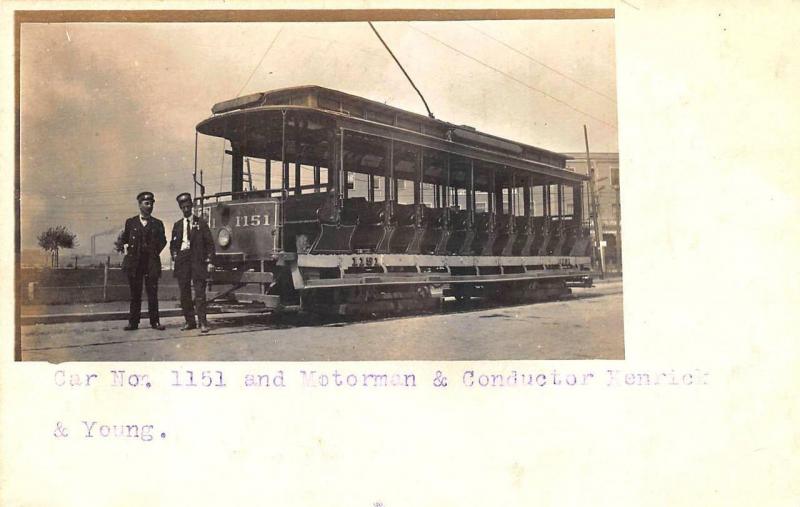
(522, 225)
(404, 214)
(359, 210)
(482, 221)
(435, 217)
(307, 207)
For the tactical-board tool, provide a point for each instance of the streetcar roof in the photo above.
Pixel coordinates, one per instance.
(351, 107)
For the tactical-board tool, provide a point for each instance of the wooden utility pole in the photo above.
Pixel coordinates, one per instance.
(105, 280)
(598, 228)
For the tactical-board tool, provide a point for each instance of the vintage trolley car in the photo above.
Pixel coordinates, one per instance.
(445, 209)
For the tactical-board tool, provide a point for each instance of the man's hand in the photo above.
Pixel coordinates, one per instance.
(119, 246)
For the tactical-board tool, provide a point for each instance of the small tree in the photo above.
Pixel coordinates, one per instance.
(54, 238)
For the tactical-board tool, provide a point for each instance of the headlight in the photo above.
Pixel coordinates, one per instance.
(224, 237)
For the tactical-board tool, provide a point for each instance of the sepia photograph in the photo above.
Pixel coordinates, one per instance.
(371, 254)
(319, 190)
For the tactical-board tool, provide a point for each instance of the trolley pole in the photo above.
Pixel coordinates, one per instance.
(598, 228)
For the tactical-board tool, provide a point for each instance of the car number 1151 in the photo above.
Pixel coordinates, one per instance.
(251, 220)
(364, 262)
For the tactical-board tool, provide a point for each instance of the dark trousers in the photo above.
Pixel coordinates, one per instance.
(198, 306)
(151, 285)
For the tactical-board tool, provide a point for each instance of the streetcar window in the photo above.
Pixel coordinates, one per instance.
(519, 202)
(307, 178)
(537, 201)
(257, 173)
(276, 174)
(405, 192)
(553, 200)
(502, 203)
(428, 194)
(481, 202)
(357, 184)
(569, 202)
(323, 176)
(378, 184)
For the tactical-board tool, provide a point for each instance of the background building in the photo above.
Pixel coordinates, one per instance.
(606, 168)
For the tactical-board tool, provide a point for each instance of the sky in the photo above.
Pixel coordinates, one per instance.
(109, 109)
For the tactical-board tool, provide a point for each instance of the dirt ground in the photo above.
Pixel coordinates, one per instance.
(587, 326)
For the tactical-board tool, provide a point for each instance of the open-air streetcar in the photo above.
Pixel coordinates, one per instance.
(446, 210)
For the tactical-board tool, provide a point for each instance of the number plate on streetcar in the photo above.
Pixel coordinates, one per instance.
(252, 226)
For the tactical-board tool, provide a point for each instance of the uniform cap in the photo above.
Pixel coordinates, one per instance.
(145, 196)
(183, 197)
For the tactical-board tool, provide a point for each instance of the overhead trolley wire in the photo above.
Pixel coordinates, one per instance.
(430, 114)
(509, 76)
(260, 61)
(521, 53)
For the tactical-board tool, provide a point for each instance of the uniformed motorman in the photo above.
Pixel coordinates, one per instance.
(192, 249)
(142, 239)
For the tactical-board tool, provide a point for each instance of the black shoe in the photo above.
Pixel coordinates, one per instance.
(131, 327)
(204, 328)
(188, 325)
(158, 326)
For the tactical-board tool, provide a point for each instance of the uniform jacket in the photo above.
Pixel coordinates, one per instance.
(201, 249)
(143, 243)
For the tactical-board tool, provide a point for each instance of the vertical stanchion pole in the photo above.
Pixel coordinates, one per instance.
(105, 282)
(598, 228)
(471, 193)
(445, 194)
(389, 183)
(371, 186)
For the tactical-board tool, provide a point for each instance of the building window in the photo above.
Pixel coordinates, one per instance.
(615, 177)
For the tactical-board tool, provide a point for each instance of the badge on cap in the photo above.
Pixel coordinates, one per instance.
(145, 196)
(183, 197)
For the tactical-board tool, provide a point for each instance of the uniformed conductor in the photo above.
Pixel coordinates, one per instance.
(144, 238)
(192, 249)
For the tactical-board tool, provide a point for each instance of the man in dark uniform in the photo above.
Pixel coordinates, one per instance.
(144, 238)
(192, 249)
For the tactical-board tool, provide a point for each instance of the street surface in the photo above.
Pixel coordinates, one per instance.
(588, 325)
